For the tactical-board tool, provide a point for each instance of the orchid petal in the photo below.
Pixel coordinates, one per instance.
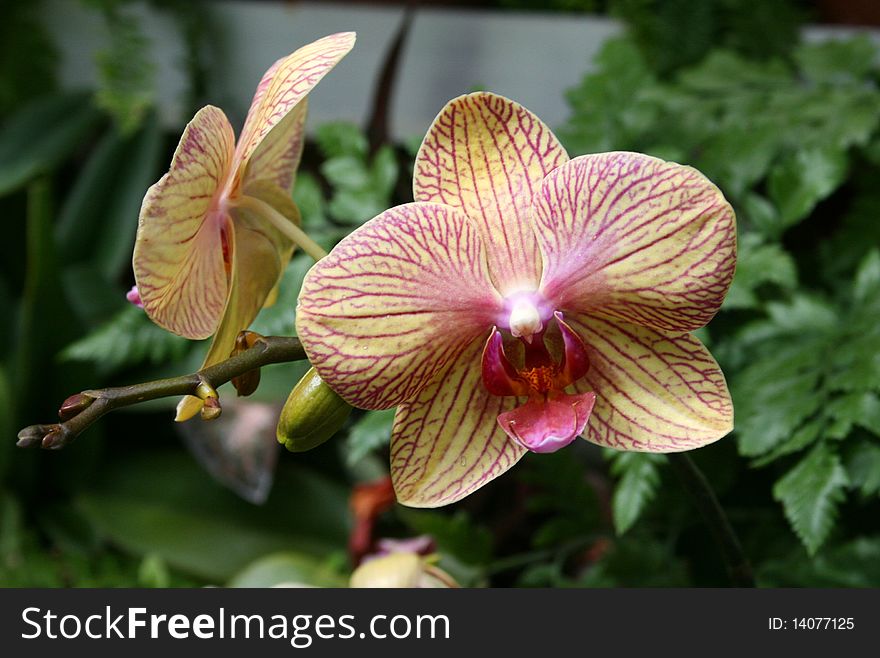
(487, 155)
(394, 302)
(654, 393)
(178, 256)
(446, 443)
(632, 237)
(546, 425)
(285, 84)
(277, 158)
(499, 376)
(575, 361)
(259, 255)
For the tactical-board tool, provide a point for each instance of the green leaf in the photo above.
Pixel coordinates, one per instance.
(341, 138)
(287, 569)
(370, 433)
(7, 420)
(279, 319)
(356, 206)
(862, 409)
(609, 107)
(38, 337)
(810, 494)
(128, 338)
(867, 283)
(99, 218)
(853, 564)
(310, 200)
(757, 265)
(384, 171)
(164, 504)
(863, 467)
(346, 171)
(775, 395)
(804, 179)
(41, 134)
(837, 60)
(639, 475)
(126, 69)
(455, 533)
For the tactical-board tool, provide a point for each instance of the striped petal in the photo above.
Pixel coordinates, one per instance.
(487, 155)
(629, 236)
(447, 443)
(285, 84)
(394, 302)
(259, 255)
(178, 256)
(654, 393)
(277, 157)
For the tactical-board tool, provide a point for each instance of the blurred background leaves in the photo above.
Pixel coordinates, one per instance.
(787, 128)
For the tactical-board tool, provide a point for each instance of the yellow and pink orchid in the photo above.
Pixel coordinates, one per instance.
(216, 232)
(525, 299)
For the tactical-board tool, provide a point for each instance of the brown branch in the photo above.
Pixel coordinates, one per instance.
(81, 410)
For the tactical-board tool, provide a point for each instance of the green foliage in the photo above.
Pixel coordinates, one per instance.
(188, 517)
(675, 33)
(852, 564)
(99, 218)
(759, 265)
(811, 493)
(129, 338)
(456, 534)
(639, 475)
(371, 432)
(27, 56)
(125, 69)
(361, 185)
(562, 502)
(40, 134)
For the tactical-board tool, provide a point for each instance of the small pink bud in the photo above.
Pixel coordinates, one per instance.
(134, 297)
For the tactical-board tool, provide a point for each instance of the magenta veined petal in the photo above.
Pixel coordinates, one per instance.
(178, 256)
(446, 442)
(633, 237)
(654, 392)
(394, 302)
(285, 84)
(486, 155)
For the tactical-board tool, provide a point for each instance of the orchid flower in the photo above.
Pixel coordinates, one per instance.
(525, 299)
(216, 232)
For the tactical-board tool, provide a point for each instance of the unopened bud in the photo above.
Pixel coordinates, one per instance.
(312, 414)
(188, 407)
(74, 405)
(248, 382)
(54, 439)
(32, 435)
(211, 409)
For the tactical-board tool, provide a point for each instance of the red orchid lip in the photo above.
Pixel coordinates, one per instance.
(551, 418)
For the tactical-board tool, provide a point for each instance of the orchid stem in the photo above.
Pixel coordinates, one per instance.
(695, 483)
(283, 224)
(266, 351)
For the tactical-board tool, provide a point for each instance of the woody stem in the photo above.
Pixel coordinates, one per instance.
(266, 351)
(283, 224)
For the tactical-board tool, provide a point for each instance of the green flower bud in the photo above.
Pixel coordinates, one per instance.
(312, 414)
